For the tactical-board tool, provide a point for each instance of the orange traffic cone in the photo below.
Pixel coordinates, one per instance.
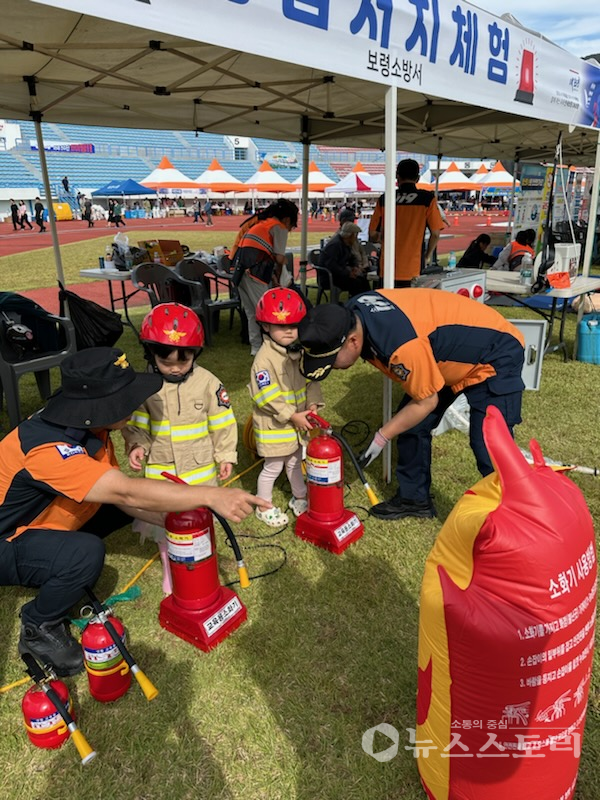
(489, 219)
(455, 220)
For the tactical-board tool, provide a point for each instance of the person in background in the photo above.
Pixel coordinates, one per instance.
(187, 428)
(510, 258)
(24, 215)
(14, 215)
(344, 258)
(208, 209)
(282, 399)
(476, 253)
(416, 210)
(260, 257)
(39, 215)
(65, 183)
(118, 214)
(436, 345)
(87, 212)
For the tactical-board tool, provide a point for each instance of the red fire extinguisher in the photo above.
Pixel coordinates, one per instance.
(108, 673)
(106, 656)
(48, 712)
(326, 523)
(200, 610)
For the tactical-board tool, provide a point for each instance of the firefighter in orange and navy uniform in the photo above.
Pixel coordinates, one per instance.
(437, 345)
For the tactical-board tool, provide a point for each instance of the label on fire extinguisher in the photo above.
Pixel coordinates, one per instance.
(323, 471)
(189, 547)
(346, 529)
(223, 615)
(43, 723)
(104, 657)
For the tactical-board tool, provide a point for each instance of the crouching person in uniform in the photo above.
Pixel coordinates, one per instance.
(61, 493)
(436, 345)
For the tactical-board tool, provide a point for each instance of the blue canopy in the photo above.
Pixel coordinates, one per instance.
(115, 188)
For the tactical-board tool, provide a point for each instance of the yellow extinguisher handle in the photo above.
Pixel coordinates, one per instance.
(244, 579)
(148, 688)
(371, 495)
(83, 748)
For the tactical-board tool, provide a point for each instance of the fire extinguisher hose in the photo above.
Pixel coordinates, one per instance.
(40, 678)
(361, 475)
(241, 566)
(325, 426)
(148, 688)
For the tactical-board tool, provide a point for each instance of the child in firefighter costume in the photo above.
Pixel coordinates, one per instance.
(282, 399)
(188, 428)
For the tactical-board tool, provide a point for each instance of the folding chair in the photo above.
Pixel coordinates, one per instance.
(40, 363)
(196, 273)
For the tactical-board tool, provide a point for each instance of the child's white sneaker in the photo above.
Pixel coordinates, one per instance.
(274, 517)
(298, 505)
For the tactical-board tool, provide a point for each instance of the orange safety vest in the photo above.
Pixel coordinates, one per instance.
(517, 251)
(256, 250)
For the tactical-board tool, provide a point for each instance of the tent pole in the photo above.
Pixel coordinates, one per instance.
(37, 120)
(439, 168)
(304, 211)
(511, 208)
(592, 214)
(389, 241)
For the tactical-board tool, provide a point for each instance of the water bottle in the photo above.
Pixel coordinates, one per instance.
(108, 254)
(526, 275)
(452, 260)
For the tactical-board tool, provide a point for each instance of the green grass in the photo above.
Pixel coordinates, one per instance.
(278, 710)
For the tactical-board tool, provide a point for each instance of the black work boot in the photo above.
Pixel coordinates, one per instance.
(399, 508)
(51, 643)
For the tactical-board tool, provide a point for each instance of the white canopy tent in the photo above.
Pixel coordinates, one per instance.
(166, 176)
(127, 63)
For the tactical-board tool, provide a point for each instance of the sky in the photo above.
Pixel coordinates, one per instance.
(577, 30)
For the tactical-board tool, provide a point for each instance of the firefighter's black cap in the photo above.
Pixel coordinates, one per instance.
(322, 334)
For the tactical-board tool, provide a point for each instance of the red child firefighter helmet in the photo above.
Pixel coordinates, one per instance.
(173, 324)
(280, 307)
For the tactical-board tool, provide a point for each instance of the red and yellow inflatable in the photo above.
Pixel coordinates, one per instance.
(506, 634)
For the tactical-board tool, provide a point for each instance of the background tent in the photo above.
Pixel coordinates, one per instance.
(453, 180)
(426, 181)
(498, 180)
(128, 187)
(165, 176)
(355, 182)
(480, 175)
(269, 181)
(317, 180)
(217, 179)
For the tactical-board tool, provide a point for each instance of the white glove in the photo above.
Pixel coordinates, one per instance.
(373, 450)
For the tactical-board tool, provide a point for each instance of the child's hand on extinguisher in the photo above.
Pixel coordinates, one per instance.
(373, 450)
(300, 420)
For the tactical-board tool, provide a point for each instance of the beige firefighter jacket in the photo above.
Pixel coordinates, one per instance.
(278, 390)
(185, 428)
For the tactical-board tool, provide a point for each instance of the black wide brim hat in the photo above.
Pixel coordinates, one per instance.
(99, 388)
(322, 333)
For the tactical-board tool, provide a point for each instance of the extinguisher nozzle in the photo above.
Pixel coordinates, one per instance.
(371, 495)
(148, 688)
(83, 748)
(243, 574)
